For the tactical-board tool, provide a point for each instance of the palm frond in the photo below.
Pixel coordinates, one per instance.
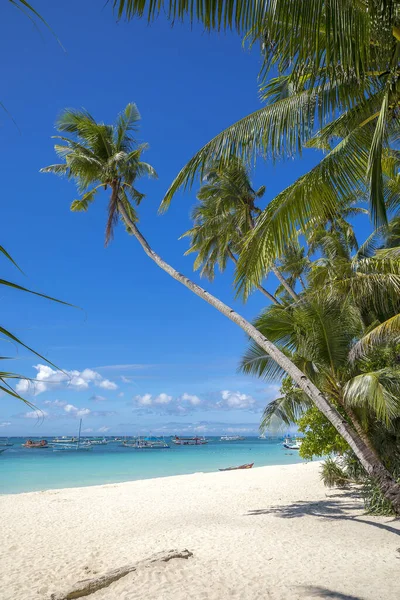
(388, 330)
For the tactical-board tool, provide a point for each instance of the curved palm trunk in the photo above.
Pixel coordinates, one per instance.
(283, 282)
(368, 459)
(260, 288)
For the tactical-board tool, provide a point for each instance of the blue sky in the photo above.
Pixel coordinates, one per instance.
(141, 353)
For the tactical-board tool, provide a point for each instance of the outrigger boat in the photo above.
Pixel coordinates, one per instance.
(248, 466)
(5, 442)
(289, 445)
(189, 441)
(147, 443)
(41, 445)
(78, 447)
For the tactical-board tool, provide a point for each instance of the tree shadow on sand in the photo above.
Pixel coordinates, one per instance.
(321, 592)
(330, 509)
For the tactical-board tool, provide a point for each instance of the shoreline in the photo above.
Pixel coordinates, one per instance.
(156, 477)
(272, 532)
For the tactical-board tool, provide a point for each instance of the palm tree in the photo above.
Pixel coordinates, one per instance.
(90, 160)
(331, 334)
(108, 158)
(225, 215)
(337, 65)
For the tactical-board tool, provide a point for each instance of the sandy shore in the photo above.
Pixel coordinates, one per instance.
(271, 533)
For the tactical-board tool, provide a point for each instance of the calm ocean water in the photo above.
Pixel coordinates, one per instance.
(25, 470)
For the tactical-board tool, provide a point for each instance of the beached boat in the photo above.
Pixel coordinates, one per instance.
(247, 466)
(290, 445)
(231, 438)
(38, 445)
(189, 441)
(147, 443)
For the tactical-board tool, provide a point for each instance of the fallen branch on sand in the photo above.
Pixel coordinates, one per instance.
(89, 586)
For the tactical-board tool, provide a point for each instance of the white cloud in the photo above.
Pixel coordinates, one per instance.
(35, 414)
(88, 430)
(5, 423)
(145, 400)
(49, 379)
(103, 429)
(193, 400)
(59, 403)
(235, 400)
(106, 384)
(77, 412)
(162, 399)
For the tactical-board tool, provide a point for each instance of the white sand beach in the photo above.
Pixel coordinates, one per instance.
(270, 533)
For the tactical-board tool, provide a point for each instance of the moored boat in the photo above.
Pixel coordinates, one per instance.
(147, 443)
(5, 442)
(189, 441)
(75, 447)
(231, 438)
(290, 445)
(247, 466)
(40, 445)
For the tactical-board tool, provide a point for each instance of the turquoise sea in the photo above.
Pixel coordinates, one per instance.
(26, 470)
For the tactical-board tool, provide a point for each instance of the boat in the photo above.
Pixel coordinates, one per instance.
(247, 466)
(189, 441)
(40, 445)
(147, 443)
(231, 438)
(78, 447)
(5, 442)
(97, 441)
(64, 440)
(289, 445)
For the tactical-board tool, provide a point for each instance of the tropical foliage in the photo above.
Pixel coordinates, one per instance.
(7, 336)
(102, 156)
(337, 89)
(99, 156)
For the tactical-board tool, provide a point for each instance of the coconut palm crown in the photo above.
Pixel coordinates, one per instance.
(102, 156)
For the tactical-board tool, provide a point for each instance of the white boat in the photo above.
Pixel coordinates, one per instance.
(73, 447)
(290, 445)
(231, 438)
(97, 441)
(189, 441)
(147, 443)
(64, 440)
(4, 442)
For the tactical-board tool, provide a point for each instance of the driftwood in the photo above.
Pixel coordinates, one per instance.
(89, 586)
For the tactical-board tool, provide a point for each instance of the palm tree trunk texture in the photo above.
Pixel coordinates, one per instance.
(368, 459)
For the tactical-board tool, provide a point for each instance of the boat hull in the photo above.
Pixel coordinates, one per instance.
(247, 466)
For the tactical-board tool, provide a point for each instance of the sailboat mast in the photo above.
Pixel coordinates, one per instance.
(79, 434)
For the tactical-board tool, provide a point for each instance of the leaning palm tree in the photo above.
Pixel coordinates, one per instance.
(227, 212)
(89, 159)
